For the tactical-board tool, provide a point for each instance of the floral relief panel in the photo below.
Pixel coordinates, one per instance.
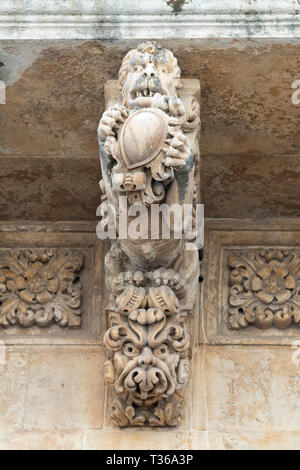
(264, 288)
(40, 287)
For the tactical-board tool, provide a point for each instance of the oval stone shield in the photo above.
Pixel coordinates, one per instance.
(143, 136)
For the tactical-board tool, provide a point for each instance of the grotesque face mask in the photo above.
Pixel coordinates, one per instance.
(148, 374)
(149, 345)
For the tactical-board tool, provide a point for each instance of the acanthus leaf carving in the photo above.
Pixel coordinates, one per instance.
(264, 289)
(40, 287)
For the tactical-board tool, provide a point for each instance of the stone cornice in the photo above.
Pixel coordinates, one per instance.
(156, 19)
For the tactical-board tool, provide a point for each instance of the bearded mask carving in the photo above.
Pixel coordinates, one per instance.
(148, 150)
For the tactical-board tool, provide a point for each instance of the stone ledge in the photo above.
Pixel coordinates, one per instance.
(157, 19)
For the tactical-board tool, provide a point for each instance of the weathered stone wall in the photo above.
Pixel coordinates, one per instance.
(123, 19)
(250, 142)
(241, 395)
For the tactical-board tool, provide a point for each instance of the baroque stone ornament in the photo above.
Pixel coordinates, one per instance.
(264, 289)
(148, 151)
(40, 287)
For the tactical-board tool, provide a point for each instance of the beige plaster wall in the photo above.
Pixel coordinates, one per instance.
(242, 398)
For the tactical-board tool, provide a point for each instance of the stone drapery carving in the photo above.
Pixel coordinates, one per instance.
(148, 149)
(40, 287)
(264, 289)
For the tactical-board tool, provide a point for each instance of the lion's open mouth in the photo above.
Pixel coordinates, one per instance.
(146, 92)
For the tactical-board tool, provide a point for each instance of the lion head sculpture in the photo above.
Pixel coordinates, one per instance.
(149, 73)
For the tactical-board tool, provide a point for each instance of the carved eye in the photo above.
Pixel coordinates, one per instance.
(162, 350)
(130, 349)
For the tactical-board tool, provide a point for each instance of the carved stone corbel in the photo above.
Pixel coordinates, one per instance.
(148, 149)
